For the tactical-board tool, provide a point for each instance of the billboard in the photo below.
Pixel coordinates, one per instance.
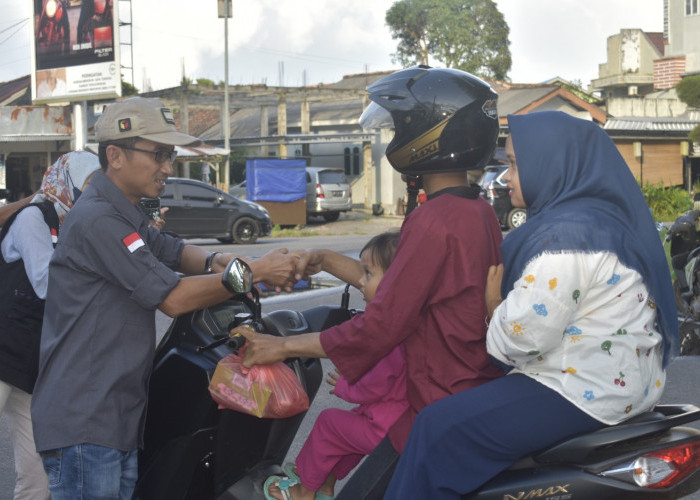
(75, 50)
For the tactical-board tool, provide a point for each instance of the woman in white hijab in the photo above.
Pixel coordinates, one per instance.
(26, 242)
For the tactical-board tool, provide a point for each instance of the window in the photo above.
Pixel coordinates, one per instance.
(691, 7)
(197, 193)
(346, 161)
(355, 161)
(169, 192)
(332, 177)
(351, 159)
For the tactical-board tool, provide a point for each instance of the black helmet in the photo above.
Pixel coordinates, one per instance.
(444, 120)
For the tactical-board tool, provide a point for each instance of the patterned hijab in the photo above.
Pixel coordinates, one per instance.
(63, 181)
(582, 196)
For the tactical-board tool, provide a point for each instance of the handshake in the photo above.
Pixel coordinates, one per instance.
(281, 269)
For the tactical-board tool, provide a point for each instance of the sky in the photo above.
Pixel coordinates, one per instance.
(297, 42)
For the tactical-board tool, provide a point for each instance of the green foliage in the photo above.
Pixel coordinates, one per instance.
(408, 21)
(666, 203)
(128, 89)
(688, 90)
(205, 82)
(694, 134)
(470, 35)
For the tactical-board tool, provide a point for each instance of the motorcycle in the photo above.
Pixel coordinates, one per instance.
(648, 456)
(683, 242)
(54, 28)
(95, 23)
(195, 451)
(192, 449)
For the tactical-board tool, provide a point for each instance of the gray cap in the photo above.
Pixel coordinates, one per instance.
(140, 117)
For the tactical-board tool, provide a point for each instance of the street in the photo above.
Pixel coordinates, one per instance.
(683, 377)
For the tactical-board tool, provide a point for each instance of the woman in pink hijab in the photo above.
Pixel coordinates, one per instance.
(27, 241)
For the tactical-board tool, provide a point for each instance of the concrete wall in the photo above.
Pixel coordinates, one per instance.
(636, 106)
(683, 39)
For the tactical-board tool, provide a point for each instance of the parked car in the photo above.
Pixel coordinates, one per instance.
(199, 210)
(494, 189)
(327, 192)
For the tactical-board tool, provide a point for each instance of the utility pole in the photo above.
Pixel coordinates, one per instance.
(226, 118)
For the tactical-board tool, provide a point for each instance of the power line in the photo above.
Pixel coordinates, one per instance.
(18, 22)
(21, 25)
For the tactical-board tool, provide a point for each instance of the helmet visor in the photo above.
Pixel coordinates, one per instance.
(375, 117)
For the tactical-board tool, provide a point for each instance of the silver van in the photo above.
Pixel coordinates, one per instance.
(327, 192)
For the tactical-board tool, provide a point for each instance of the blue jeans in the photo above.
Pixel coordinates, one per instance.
(88, 471)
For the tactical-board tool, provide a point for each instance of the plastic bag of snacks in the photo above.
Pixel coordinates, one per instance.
(266, 391)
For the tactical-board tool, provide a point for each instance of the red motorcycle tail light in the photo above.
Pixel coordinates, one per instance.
(664, 468)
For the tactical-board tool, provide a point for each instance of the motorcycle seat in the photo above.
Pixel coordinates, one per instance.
(579, 449)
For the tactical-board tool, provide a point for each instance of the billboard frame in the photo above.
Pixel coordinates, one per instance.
(75, 50)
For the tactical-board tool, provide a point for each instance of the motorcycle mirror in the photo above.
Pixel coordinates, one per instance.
(238, 277)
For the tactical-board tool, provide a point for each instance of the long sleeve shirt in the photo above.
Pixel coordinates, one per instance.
(583, 324)
(381, 393)
(431, 300)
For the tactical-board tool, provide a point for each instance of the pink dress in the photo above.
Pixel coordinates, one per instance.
(340, 438)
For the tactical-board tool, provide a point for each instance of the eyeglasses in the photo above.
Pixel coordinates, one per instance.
(161, 156)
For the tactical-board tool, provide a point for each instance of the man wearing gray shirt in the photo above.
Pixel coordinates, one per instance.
(109, 273)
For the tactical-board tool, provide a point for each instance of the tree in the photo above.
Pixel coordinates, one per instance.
(470, 35)
(205, 82)
(128, 89)
(688, 90)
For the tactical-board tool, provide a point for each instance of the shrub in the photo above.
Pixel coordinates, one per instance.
(666, 203)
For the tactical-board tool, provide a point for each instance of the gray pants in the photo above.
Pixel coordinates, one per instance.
(31, 482)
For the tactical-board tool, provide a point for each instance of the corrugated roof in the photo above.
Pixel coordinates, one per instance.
(16, 92)
(516, 98)
(676, 127)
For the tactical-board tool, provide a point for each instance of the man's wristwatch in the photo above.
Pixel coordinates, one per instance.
(210, 260)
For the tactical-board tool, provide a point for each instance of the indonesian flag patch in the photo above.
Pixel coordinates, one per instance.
(133, 242)
(54, 236)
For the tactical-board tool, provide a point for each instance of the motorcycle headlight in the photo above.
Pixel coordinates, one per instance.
(51, 8)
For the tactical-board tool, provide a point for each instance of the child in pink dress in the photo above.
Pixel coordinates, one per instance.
(341, 438)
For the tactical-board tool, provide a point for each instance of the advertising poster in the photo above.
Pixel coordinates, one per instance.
(75, 50)
(3, 173)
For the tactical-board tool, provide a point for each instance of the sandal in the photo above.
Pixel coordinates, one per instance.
(293, 479)
(291, 473)
(283, 483)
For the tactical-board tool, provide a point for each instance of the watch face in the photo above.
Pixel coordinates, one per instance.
(238, 276)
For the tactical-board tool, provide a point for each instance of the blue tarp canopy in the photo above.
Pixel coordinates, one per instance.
(275, 179)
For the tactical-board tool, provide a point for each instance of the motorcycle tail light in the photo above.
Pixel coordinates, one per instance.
(319, 191)
(664, 468)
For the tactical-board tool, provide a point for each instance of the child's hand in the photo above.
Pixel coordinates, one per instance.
(332, 379)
